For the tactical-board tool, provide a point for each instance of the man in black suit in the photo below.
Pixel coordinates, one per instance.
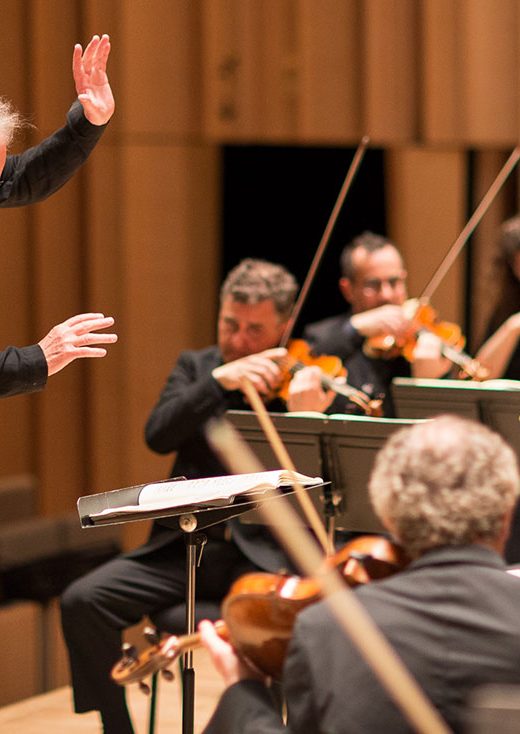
(256, 300)
(32, 176)
(373, 282)
(445, 489)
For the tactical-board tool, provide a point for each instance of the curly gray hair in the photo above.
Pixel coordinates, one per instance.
(448, 481)
(254, 281)
(10, 122)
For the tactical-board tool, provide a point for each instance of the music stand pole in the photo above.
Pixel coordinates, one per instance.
(194, 545)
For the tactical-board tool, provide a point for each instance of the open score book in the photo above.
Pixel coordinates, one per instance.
(207, 492)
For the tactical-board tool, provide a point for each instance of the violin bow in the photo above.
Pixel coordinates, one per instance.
(471, 225)
(350, 614)
(353, 169)
(286, 462)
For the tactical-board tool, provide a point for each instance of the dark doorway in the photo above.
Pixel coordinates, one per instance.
(277, 201)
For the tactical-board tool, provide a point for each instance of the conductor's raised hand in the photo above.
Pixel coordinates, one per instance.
(75, 338)
(89, 68)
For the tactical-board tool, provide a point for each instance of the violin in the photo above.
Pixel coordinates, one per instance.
(260, 609)
(425, 318)
(299, 355)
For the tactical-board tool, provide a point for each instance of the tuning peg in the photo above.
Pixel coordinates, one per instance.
(129, 653)
(167, 674)
(144, 688)
(151, 635)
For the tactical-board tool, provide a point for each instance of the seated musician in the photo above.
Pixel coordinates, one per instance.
(445, 489)
(501, 351)
(256, 300)
(373, 282)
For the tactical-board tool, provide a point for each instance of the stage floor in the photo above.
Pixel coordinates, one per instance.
(52, 712)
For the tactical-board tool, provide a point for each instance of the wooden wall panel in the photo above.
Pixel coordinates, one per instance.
(15, 414)
(56, 261)
(441, 92)
(160, 43)
(330, 88)
(490, 71)
(471, 78)
(251, 69)
(390, 70)
(426, 196)
(103, 276)
(170, 271)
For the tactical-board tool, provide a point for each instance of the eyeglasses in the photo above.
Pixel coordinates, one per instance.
(375, 285)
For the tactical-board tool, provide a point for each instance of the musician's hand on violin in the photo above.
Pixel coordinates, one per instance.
(306, 391)
(387, 319)
(226, 661)
(428, 360)
(261, 369)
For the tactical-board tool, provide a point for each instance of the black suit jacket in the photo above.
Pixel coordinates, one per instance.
(189, 399)
(27, 178)
(453, 618)
(336, 335)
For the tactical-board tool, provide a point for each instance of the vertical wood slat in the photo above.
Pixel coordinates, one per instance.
(250, 69)
(16, 413)
(104, 271)
(426, 199)
(161, 66)
(330, 55)
(471, 58)
(442, 91)
(390, 70)
(490, 69)
(57, 263)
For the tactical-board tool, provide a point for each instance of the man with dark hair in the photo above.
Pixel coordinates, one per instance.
(445, 489)
(373, 282)
(256, 299)
(33, 175)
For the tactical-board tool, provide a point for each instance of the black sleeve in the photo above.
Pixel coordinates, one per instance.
(40, 171)
(22, 370)
(247, 708)
(342, 340)
(190, 397)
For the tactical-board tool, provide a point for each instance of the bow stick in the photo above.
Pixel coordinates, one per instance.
(473, 221)
(353, 169)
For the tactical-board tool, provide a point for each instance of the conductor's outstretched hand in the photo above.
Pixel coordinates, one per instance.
(74, 339)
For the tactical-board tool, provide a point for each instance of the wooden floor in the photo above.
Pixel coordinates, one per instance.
(51, 713)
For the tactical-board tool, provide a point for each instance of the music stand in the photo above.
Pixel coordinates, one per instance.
(191, 520)
(353, 443)
(425, 398)
(495, 403)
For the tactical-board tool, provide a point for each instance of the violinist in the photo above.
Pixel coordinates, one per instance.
(373, 282)
(256, 299)
(501, 351)
(445, 489)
